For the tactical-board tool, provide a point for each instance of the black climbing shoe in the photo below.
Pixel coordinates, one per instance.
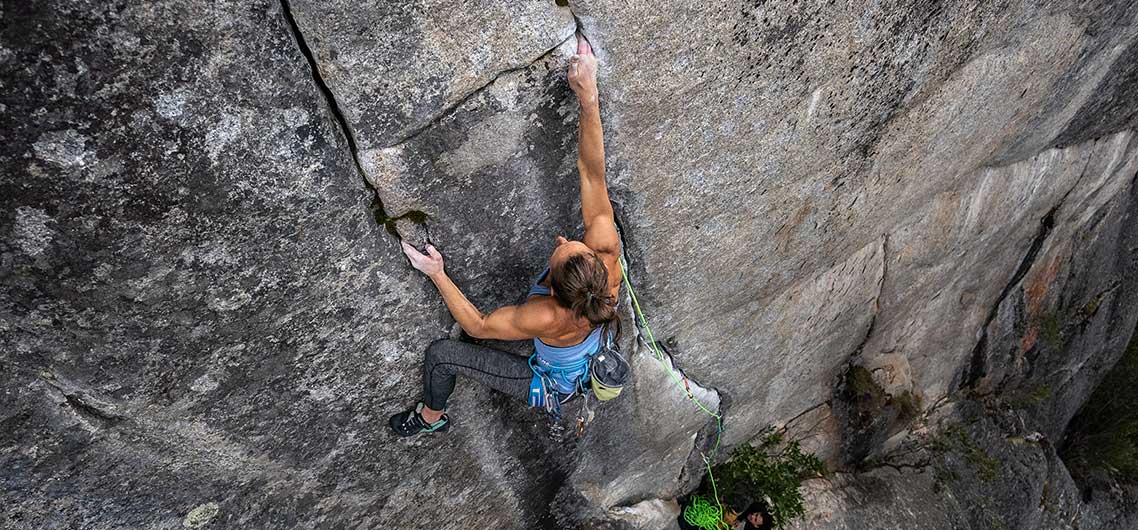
(411, 422)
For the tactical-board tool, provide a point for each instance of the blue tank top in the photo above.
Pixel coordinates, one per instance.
(567, 364)
(537, 288)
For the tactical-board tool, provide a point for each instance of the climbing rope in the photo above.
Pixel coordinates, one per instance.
(703, 514)
(681, 381)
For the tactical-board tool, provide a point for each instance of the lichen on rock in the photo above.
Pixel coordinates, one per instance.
(201, 515)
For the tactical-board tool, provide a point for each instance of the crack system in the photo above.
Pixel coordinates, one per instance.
(976, 367)
(786, 425)
(918, 466)
(877, 298)
(706, 436)
(325, 90)
(389, 222)
(450, 109)
(381, 216)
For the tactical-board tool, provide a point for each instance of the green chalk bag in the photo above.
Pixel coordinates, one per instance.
(608, 372)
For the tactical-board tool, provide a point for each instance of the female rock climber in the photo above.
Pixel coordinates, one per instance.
(565, 310)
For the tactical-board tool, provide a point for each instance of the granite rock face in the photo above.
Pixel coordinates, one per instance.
(198, 307)
(989, 460)
(204, 326)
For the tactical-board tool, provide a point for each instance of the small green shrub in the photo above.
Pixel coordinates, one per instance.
(865, 390)
(955, 439)
(908, 405)
(774, 469)
(987, 468)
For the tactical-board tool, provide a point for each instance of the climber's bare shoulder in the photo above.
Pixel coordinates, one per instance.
(519, 322)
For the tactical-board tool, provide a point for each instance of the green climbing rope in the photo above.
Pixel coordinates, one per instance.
(702, 514)
(718, 508)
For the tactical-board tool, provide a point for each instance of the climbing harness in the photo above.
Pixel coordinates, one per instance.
(549, 378)
(682, 382)
(602, 373)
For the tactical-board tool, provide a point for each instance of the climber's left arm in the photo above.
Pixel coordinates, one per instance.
(505, 323)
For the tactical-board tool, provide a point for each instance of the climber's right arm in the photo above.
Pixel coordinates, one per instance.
(596, 210)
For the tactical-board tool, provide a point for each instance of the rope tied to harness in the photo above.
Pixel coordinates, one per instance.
(683, 384)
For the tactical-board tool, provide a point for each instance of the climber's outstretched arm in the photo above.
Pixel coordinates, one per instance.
(596, 210)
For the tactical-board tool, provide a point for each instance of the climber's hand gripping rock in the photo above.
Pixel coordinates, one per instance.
(583, 72)
(430, 264)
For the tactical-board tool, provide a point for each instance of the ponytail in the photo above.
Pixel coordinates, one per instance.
(581, 284)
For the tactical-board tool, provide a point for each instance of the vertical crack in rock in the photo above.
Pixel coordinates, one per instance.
(977, 368)
(706, 439)
(392, 223)
(876, 298)
(707, 436)
(325, 90)
(337, 114)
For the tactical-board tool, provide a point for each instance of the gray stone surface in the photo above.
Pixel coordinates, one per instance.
(197, 307)
(990, 461)
(201, 323)
(397, 66)
(819, 130)
(1063, 324)
(970, 468)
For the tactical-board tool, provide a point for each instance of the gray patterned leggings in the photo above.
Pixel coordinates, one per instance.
(445, 359)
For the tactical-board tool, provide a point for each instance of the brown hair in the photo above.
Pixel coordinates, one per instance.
(581, 284)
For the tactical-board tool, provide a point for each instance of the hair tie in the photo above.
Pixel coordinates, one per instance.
(589, 297)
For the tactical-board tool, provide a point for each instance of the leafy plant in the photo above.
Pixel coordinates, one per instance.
(867, 393)
(774, 470)
(908, 405)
